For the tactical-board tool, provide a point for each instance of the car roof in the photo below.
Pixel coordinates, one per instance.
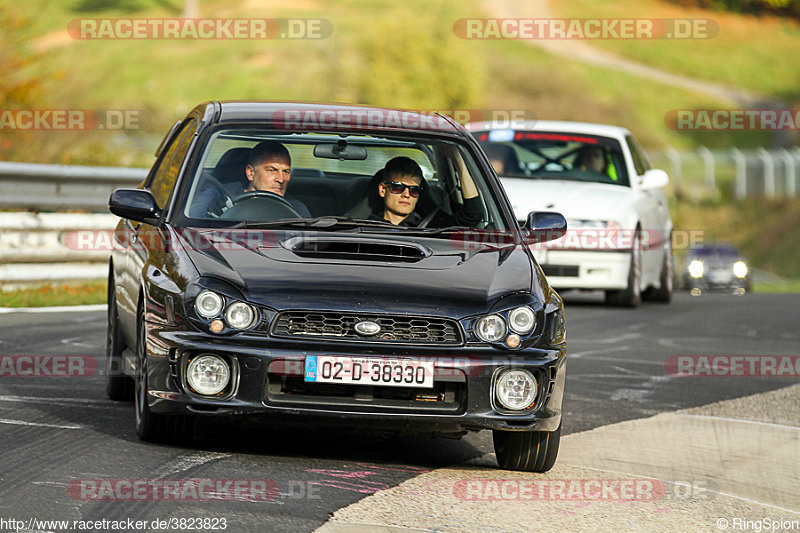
(562, 126)
(714, 248)
(337, 117)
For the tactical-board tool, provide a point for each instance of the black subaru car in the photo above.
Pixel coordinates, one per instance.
(333, 266)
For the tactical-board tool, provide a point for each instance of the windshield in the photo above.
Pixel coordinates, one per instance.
(259, 177)
(564, 156)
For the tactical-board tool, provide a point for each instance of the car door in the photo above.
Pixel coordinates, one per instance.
(161, 183)
(650, 206)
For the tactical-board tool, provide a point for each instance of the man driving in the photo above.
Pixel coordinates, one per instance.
(268, 169)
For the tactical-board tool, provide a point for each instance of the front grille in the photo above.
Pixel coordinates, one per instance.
(394, 329)
(570, 271)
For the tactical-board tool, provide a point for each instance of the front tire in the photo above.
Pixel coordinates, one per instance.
(529, 451)
(632, 295)
(119, 387)
(152, 427)
(664, 292)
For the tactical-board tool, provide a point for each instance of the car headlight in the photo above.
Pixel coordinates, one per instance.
(739, 269)
(491, 328)
(208, 374)
(696, 268)
(516, 389)
(521, 320)
(240, 315)
(208, 304)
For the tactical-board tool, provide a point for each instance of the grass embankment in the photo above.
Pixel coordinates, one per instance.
(56, 295)
(766, 232)
(758, 54)
(382, 53)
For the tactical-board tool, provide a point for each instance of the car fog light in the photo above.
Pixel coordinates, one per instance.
(240, 315)
(516, 389)
(491, 328)
(512, 340)
(696, 269)
(208, 375)
(739, 269)
(208, 304)
(216, 326)
(521, 320)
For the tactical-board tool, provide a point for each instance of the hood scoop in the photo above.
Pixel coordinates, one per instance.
(346, 248)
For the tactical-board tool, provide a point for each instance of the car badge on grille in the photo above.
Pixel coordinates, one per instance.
(367, 328)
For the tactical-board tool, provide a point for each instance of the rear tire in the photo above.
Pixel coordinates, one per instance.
(529, 451)
(150, 426)
(119, 387)
(632, 295)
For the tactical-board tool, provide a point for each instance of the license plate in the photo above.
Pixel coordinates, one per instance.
(720, 276)
(369, 371)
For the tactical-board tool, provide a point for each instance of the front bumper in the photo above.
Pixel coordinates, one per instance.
(577, 269)
(268, 385)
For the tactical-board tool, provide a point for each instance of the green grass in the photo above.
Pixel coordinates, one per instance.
(56, 295)
(527, 77)
(380, 53)
(789, 286)
(759, 54)
(765, 231)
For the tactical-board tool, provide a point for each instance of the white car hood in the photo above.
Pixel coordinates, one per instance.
(573, 199)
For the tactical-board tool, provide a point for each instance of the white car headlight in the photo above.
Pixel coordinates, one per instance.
(208, 374)
(739, 269)
(516, 389)
(208, 304)
(521, 320)
(696, 268)
(240, 315)
(491, 328)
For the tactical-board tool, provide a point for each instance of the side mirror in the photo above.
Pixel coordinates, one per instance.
(134, 204)
(543, 226)
(655, 178)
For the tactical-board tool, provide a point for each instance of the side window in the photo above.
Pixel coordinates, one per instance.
(640, 161)
(167, 172)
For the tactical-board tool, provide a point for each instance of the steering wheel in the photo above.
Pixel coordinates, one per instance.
(260, 205)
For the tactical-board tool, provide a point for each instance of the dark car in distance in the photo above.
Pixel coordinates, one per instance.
(303, 305)
(716, 267)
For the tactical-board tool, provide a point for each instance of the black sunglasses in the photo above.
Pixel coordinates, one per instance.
(395, 187)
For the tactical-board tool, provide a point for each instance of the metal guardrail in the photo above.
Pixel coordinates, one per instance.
(62, 187)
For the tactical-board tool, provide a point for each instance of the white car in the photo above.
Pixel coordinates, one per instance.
(619, 230)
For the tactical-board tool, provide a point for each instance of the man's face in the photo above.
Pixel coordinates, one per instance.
(594, 160)
(402, 204)
(271, 174)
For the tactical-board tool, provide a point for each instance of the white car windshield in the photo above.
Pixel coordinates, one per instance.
(557, 155)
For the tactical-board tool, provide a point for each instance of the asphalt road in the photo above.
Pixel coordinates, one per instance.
(59, 430)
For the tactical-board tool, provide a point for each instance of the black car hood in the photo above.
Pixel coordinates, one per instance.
(441, 278)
